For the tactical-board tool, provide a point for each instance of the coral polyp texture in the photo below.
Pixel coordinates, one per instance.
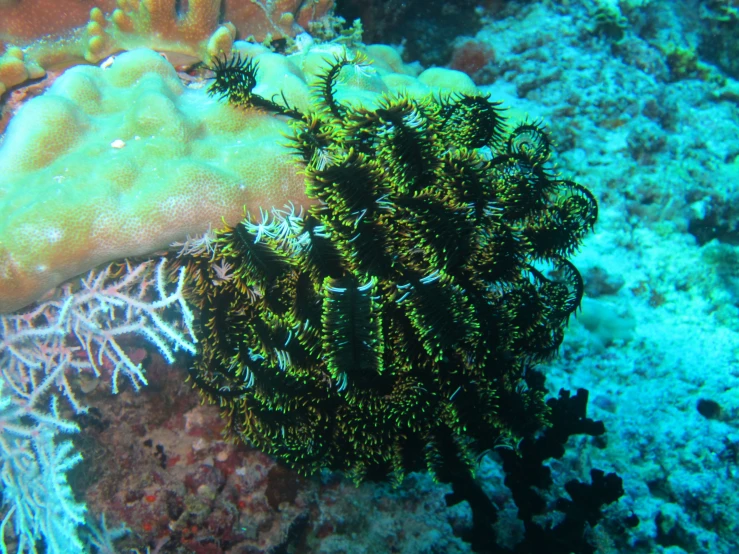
(92, 31)
(122, 161)
(393, 325)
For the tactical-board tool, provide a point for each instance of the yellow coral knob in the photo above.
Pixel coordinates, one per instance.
(122, 21)
(97, 16)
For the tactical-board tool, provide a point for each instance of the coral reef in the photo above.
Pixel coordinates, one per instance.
(181, 486)
(127, 156)
(26, 20)
(128, 152)
(609, 22)
(473, 58)
(37, 500)
(16, 68)
(650, 118)
(719, 43)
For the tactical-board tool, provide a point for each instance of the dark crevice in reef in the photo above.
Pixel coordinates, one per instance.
(426, 28)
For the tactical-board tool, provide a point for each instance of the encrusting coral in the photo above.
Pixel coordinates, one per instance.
(121, 161)
(394, 325)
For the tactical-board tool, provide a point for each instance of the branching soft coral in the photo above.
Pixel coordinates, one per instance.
(44, 354)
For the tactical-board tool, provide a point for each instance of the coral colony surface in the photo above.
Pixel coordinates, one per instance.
(267, 288)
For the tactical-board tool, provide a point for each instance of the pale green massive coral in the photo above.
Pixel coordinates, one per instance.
(122, 161)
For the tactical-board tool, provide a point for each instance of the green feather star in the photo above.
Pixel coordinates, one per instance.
(392, 327)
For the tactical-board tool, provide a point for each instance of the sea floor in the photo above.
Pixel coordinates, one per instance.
(657, 340)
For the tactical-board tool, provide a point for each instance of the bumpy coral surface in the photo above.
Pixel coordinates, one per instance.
(122, 161)
(393, 326)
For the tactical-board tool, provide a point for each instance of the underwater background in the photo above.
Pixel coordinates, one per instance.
(641, 99)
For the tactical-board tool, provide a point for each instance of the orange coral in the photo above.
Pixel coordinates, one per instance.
(30, 19)
(277, 18)
(471, 56)
(59, 33)
(197, 31)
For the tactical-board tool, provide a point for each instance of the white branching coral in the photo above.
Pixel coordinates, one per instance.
(79, 332)
(40, 350)
(36, 496)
